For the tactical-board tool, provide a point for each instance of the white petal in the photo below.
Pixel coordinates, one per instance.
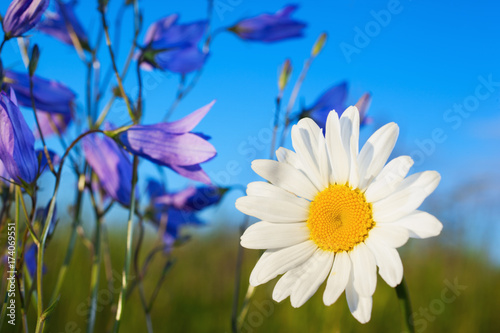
(339, 276)
(388, 262)
(389, 234)
(389, 178)
(323, 161)
(360, 307)
(286, 177)
(375, 153)
(349, 130)
(290, 157)
(420, 224)
(336, 152)
(274, 210)
(278, 261)
(364, 270)
(265, 235)
(319, 265)
(287, 282)
(409, 196)
(304, 141)
(264, 189)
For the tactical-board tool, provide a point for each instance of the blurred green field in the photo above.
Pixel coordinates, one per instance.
(197, 293)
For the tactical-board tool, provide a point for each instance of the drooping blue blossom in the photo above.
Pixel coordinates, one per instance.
(363, 104)
(50, 96)
(270, 28)
(173, 145)
(112, 166)
(180, 209)
(17, 143)
(335, 99)
(52, 123)
(174, 47)
(22, 16)
(63, 22)
(332, 99)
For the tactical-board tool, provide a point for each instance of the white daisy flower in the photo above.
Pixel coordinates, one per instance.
(331, 212)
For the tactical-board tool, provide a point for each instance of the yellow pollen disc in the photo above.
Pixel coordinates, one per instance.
(339, 218)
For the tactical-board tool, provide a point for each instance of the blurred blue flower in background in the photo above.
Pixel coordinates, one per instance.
(52, 123)
(174, 47)
(23, 15)
(332, 99)
(335, 99)
(30, 260)
(63, 24)
(179, 209)
(270, 27)
(17, 143)
(50, 96)
(173, 144)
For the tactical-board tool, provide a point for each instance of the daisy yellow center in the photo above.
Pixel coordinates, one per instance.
(339, 218)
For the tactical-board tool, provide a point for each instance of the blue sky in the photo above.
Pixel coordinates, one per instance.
(418, 63)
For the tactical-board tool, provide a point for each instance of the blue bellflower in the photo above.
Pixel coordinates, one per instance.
(270, 28)
(332, 99)
(22, 16)
(335, 99)
(179, 209)
(62, 23)
(173, 145)
(112, 166)
(17, 142)
(174, 47)
(52, 123)
(50, 96)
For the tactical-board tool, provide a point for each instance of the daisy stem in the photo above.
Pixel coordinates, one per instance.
(245, 306)
(405, 305)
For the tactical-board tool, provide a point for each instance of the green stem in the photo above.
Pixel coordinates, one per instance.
(94, 282)
(71, 244)
(3, 43)
(115, 68)
(140, 277)
(41, 248)
(96, 264)
(128, 250)
(405, 306)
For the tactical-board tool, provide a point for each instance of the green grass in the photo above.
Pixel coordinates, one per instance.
(197, 293)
